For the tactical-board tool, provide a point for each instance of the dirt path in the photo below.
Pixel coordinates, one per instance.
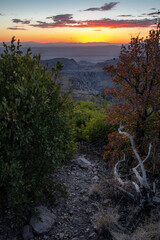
(75, 215)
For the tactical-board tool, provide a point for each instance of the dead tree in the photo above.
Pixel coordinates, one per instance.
(144, 195)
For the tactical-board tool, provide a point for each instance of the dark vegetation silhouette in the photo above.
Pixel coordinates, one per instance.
(36, 135)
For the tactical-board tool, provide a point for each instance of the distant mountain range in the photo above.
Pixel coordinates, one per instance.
(63, 44)
(92, 52)
(86, 78)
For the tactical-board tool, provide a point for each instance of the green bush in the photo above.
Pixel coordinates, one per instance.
(90, 123)
(36, 133)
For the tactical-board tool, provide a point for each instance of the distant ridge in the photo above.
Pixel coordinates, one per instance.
(68, 64)
(79, 51)
(87, 79)
(63, 44)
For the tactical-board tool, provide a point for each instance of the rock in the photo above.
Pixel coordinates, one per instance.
(156, 200)
(82, 162)
(46, 222)
(61, 235)
(93, 236)
(95, 206)
(45, 237)
(85, 199)
(106, 201)
(83, 191)
(71, 212)
(95, 179)
(75, 221)
(27, 232)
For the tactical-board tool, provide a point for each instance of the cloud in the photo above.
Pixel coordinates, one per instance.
(16, 20)
(125, 16)
(62, 19)
(106, 7)
(153, 13)
(16, 28)
(150, 14)
(117, 23)
(106, 22)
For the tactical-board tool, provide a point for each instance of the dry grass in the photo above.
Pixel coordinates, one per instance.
(95, 189)
(148, 232)
(107, 219)
(121, 236)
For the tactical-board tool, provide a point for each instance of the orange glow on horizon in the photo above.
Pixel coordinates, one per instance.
(74, 35)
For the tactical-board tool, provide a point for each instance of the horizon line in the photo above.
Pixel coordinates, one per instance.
(66, 43)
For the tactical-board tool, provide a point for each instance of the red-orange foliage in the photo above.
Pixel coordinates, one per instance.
(137, 77)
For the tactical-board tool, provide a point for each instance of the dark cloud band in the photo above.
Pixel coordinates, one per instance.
(16, 28)
(106, 7)
(16, 20)
(97, 23)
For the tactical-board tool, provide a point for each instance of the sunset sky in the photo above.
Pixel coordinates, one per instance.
(76, 21)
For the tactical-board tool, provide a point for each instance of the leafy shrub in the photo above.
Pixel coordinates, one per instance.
(36, 134)
(90, 121)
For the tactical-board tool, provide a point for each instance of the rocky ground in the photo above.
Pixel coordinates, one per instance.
(93, 210)
(75, 214)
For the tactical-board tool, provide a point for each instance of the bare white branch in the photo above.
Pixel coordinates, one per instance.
(116, 172)
(124, 182)
(143, 179)
(149, 152)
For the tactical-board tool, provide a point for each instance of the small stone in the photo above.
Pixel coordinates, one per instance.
(75, 221)
(83, 191)
(82, 162)
(27, 232)
(46, 222)
(45, 237)
(88, 211)
(94, 169)
(61, 235)
(85, 199)
(106, 201)
(94, 205)
(95, 179)
(71, 212)
(92, 235)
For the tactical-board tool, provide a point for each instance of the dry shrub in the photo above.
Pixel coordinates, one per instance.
(121, 236)
(148, 232)
(107, 219)
(95, 189)
(105, 222)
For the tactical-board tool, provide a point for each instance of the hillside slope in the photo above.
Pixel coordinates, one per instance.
(86, 78)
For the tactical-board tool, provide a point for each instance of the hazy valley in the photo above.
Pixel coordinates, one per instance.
(87, 79)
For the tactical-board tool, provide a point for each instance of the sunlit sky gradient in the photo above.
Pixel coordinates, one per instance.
(76, 21)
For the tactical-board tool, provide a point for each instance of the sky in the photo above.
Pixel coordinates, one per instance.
(73, 21)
